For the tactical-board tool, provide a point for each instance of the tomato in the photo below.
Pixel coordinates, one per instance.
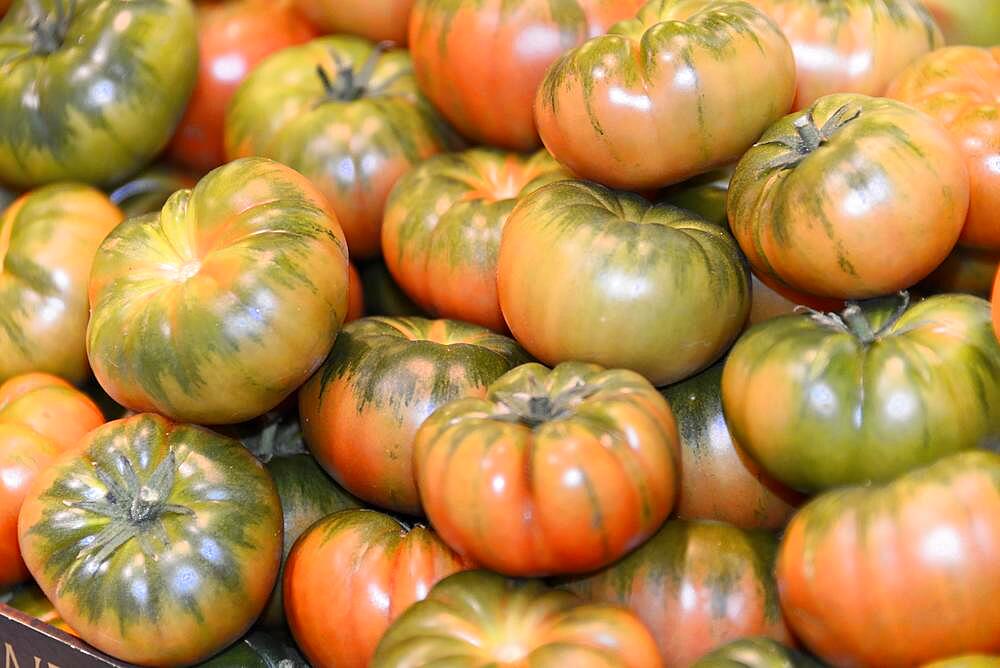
(50, 407)
(233, 37)
(719, 481)
(347, 114)
(149, 190)
(355, 295)
(382, 295)
(383, 20)
(756, 653)
(441, 233)
(699, 79)
(580, 265)
(851, 46)
(960, 87)
(900, 574)
(975, 22)
(969, 270)
(772, 299)
(351, 575)
(91, 91)
(855, 197)
(29, 599)
(258, 650)
(704, 195)
(996, 305)
(307, 496)
(966, 661)
(822, 400)
(574, 467)
(48, 238)
(220, 306)
(382, 379)
(478, 618)
(159, 542)
(481, 61)
(23, 455)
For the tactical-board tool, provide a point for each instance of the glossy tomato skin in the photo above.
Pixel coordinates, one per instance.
(719, 481)
(821, 400)
(482, 619)
(696, 585)
(756, 652)
(581, 264)
(381, 20)
(851, 46)
(370, 568)
(257, 650)
(968, 270)
(233, 38)
(770, 299)
(676, 75)
(50, 407)
(971, 22)
(441, 232)
(193, 507)
(353, 143)
(574, 467)
(23, 455)
(458, 47)
(95, 96)
(960, 87)
(243, 284)
(930, 538)
(382, 379)
(48, 239)
(888, 183)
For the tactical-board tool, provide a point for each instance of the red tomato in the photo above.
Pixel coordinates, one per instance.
(23, 454)
(377, 20)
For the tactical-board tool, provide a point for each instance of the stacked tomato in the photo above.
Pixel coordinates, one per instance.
(562, 333)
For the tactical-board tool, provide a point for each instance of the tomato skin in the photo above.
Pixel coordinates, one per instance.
(371, 568)
(848, 46)
(244, 288)
(257, 650)
(968, 270)
(193, 507)
(571, 486)
(479, 618)
(23, 455)
(355, 295)
(233, 38)
(850, 556)
(675, 73)
(102, 99)
(441, 232)
(888, 183)
(353, 144)
(756, 652)
(50, 407)
(771, 299)
(819, 403)
(48, 238)
(382, 295)
(996, 305)
(972, 22)
(960, 87)
(580, 264)
(966, 661)
(381, 20)
(457, 46)
(147, 191)
(382, 379)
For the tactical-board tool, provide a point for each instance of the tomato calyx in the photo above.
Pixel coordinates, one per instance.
(345, 85)
(536, 405)
(808, 138)
(48, 32)
(854, 321)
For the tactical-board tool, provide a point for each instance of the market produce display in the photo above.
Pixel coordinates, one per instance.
(500, 333)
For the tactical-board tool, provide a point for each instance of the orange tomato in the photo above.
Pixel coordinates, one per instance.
(377, 20)
(996, 305)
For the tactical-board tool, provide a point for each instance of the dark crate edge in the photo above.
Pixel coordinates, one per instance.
(26, 642)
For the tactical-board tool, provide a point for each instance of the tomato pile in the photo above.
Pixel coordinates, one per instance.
(550, 333)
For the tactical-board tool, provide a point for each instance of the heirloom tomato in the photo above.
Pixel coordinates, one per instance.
(696, 585)
(900, 574)
(149, 190)
(351, 575)
(382, 379)
(968, 270)
(355, 295)
(30, 599)
(756, 653)
(704, 194)
(960, 87)
(220, 306)
(382, 295)
(378, 20)
(347, 114)
(441, 232)
(574, 467)
(48, 239)
(719, 481)
(851, 46)
(233, 37)
(258, 650)
(973, 22)
(478, 618)
(822, 400)
(481, 61)
(594, 275)
(91, 90)
(158, 542)
(50, 407)
(685, 87)
(854, 197)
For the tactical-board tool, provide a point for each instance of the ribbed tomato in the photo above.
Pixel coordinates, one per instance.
(901, 574)
(351, 575)
(696, 585)
(382, 379)
(478, 618)
(855, 197)
(574, 467)
(441, 233)
(756, 653)
(960, 87)
(381, 20)
(481, 61)
(48, 238)
(685, 87)
(822, 400)
(590, 274)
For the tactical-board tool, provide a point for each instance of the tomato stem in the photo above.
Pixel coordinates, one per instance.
(345, 85)
(536, 405)
(808, 137)
(49, 32)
